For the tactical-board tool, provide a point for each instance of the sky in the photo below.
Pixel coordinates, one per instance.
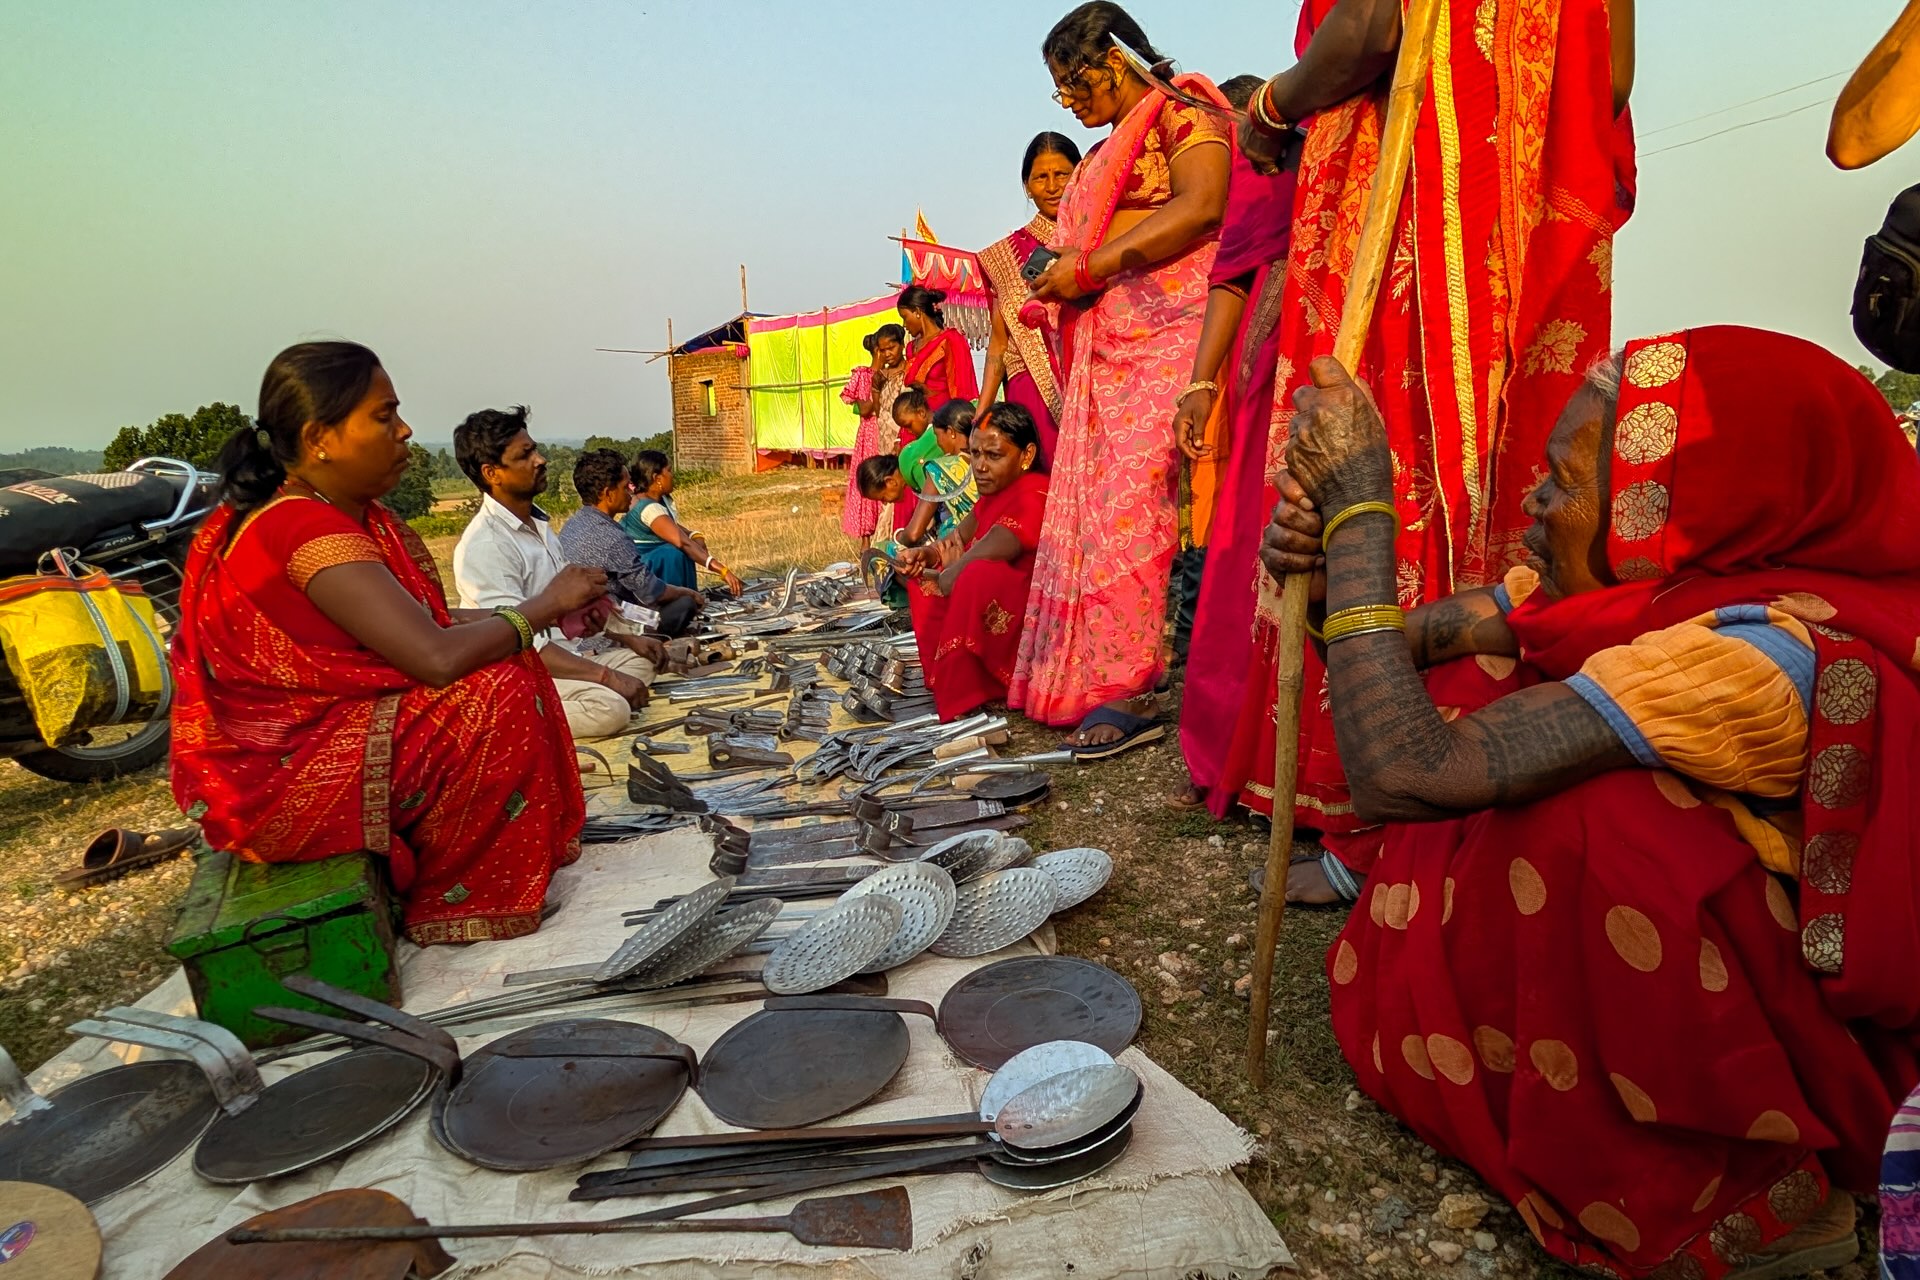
(488, 192)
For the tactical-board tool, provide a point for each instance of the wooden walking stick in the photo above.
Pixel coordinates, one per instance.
(1356, 318)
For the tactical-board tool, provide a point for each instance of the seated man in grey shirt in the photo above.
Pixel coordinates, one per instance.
(593, 537)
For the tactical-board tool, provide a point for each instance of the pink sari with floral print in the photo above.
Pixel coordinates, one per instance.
(1097, 608)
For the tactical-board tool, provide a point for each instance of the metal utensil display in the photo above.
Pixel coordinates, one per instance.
(836, 944)
(1077, 874)
(996, 911)
(927, 896)
(664, 930)
(711, 941)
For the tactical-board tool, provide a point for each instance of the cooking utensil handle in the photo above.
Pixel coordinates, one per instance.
(848, 1004)
(442, 1058)
(959, 1125)
(427, 1231)
(235, 1082)
(810, 1182)
(682, 1054)
(16, 1092)
(372, 1010)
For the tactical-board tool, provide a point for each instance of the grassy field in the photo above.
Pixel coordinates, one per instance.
(1351, 1190)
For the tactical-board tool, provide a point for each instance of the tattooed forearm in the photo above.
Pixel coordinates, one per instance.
(1459, 627)
(1403, 762)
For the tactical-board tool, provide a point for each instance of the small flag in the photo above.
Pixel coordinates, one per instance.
(921, 229)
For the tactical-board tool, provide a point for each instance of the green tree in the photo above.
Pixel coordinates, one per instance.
(195, 439)
(1902, 390)
(413, 496)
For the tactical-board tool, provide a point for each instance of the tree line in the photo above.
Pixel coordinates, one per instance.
(197, 438)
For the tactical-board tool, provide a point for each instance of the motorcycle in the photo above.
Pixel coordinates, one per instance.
(148, 529)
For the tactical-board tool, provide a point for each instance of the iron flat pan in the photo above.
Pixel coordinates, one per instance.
(999, 1010)
(788, 1069)
(314, 1115)
(110, 1130)
(1006, 1153)
(519, 1114)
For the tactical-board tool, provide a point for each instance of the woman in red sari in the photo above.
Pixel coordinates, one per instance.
(1024, 362)
(972, 611)
(329, 702)
(1136, 243)
(1640, 942)
(1497, 297)
(938, 358)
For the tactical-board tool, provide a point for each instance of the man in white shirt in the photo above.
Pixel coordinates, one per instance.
(509, 552)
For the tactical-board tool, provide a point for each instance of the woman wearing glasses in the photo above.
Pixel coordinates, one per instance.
(1138, 228)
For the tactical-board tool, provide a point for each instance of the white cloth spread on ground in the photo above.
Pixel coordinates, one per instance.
(1168, 1208)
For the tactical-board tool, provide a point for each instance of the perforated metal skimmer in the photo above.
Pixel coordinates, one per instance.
(835, 944)
(709, 942)
(997, 912)
(927, 897)
(1077, 874)
(665, 929)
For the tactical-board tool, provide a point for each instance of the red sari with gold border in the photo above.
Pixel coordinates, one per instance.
(292, 741)
(1602, 1001)
(944, 366)
(1497, 298)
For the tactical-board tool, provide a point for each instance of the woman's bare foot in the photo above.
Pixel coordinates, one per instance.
(1187, 799)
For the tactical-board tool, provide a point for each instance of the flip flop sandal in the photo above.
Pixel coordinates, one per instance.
(1135, 731)
(1346, 885)
(115, 852)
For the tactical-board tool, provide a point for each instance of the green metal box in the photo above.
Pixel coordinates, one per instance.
(246, 925)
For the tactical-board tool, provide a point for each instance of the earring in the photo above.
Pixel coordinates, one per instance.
(324, 457)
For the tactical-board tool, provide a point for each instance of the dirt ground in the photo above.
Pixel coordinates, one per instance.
(1353, 1193)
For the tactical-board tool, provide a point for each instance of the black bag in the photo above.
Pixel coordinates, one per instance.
(1886, 298)
(72, 511)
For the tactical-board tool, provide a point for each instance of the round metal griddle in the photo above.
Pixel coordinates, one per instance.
(833, 946)
(315, 1115)
(1000, 1009)
(803, 1059)
(1008, 1153)
(1063, 1109)
(997, 911)
(561, 1093)
(107, 1131)
(1012, 789)
(926, 895)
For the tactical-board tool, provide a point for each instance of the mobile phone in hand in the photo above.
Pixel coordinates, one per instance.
(1037, 264)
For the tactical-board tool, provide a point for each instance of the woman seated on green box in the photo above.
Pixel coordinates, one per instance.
(330, 702)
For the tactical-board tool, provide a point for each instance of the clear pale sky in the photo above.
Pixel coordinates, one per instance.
(486, 192)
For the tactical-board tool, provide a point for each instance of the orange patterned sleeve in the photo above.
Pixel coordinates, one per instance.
(1188, 127)
(307, 536)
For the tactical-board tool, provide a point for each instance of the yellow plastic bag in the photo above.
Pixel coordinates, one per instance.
(84, 649)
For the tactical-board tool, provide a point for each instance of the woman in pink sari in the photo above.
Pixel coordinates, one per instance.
(1136, 243)
(1022, 361)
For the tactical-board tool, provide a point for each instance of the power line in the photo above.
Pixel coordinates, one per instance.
(1765, 97)
(1734, 128)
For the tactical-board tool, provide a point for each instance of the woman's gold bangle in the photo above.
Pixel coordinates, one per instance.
(1200, 386)
(1359, 509)
(1362, 620)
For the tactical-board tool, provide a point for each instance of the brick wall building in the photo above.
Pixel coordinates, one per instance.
(712, 421)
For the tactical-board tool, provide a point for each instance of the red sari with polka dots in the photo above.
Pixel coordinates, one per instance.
(1659, 1052)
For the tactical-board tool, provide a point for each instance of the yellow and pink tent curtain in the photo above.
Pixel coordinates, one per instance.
(797, 366)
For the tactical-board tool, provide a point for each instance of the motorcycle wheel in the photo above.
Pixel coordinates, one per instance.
(141, 749)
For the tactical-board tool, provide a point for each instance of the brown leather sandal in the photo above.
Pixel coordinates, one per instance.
(114, 852)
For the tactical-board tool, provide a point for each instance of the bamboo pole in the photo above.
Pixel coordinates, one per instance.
(1356, 318)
